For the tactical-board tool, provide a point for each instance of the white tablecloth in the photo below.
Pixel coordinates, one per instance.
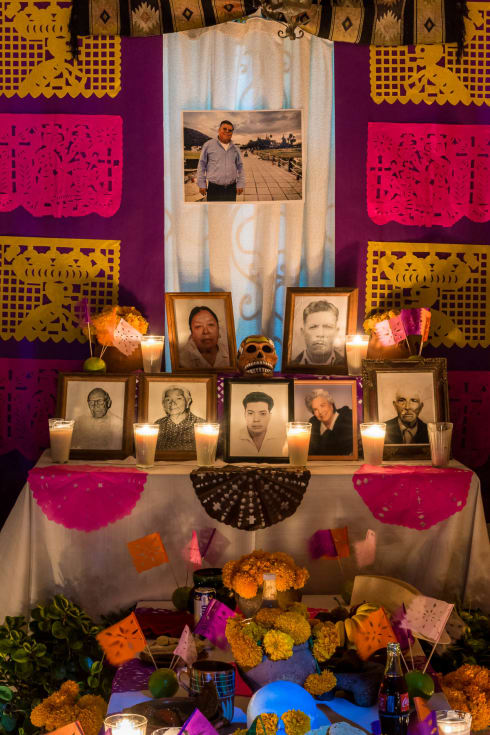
(40, 558)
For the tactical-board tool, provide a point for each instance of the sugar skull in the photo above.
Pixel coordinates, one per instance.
(257, 356)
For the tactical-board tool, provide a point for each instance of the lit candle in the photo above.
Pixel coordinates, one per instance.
(206, 443)
(145, 442)
(373, 440)
(453, 722)
(60, 434)
(152, 351)
(125, 724)
(298, 433)
(356, 346)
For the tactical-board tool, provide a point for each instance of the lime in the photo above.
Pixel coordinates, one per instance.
(419, 684)
(163, 683)
(94, 365)
(180, 597)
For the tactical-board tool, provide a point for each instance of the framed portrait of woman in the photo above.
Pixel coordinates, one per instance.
(201, 332)
(330, 406)
(176, 403)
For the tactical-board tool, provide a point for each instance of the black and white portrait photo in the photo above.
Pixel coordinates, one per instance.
(406, 404)
(242, 155)
(256, 418)
(201, 332)
(330, 407)
(316, 324)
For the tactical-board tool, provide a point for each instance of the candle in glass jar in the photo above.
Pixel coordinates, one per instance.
(453, 722)
(356, 346)
(373, 440)
(206, 436)
(145, 442)
(298, 434)
(125, 724)
(152, 351)
(60, 435)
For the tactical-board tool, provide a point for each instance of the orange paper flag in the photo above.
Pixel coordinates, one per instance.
(341, 540)
(374, 632)
(122, 641)
(421, 706)
(147, 552)
(74, 728)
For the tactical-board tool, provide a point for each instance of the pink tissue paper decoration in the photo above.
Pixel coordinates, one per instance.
(84, 497)
(197, 724)
(427, 616)
(212, 624)
(469, 405)
(126, 338)
(412, 496)
(61, 165)
(27, 399)
(384, 333)
(403, 634)
(322, 544)
(186, 647)
(192, 552)
(365, 550)
(428, 174)
(397, 328)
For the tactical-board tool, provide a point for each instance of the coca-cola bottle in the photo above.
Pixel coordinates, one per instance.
(393, 703)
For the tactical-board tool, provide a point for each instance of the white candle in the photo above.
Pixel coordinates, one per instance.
(453, 722)
(145, 442)
(60, 434)
(440, 433)
(298, 433)
(356, 346)
(152, 351)
(373, 440)
(125, 724)
(206, 443)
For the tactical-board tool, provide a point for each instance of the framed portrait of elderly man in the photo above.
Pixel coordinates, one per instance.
(176, 403)
(256, 414)
(316, 323)
(406, 395)
(330, 406)
(103, 410)
(201, 332)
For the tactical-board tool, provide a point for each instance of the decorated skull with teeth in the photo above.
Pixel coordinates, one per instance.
(257, 356)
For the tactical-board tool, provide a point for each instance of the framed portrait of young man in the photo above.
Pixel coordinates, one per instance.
(201, 332)
(176, 403)
(316, 323)
(406, 395)
(256, 414)
(102, 407)
(330, 406)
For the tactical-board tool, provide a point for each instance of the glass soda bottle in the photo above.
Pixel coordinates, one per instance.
(393, 703)
(269, 591)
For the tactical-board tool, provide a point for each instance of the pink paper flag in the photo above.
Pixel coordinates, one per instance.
(426, 316)
(397, 328)
(365, 550)
(322, 544)
(197, 724)
(383, 331)
(126, 338)
(404, 635)
(208, 543)
(193, 552)
(186, 647)
(427, 616)
(412, 320)
(212, 624)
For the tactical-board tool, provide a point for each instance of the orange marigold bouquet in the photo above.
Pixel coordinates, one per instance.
(66, 706)
(468, 689)
(246, 574)
(102, 325)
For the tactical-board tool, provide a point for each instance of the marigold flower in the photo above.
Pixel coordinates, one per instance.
(300, 609)
(267, 616)
(254, 630)
(317, 684)
(64, 706)
(294, 625)
(245, 650)
(267, 723)
(326, 641)
(278, 645)
(245, 585)
(468, 689)
(258, 563)
(296, 722)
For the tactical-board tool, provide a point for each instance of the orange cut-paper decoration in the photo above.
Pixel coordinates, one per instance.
(374, 632)
(341, 540)
(74, 728)
(147, 552)
(122, 641)
(421, 707)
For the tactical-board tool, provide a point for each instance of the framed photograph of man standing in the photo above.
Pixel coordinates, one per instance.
(316, 323)
(406, 395)
(256, 414)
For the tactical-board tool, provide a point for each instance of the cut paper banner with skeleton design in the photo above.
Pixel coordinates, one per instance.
(122, 641)
(45, 66)
(47, 277)
(451, 280)
(147, 552)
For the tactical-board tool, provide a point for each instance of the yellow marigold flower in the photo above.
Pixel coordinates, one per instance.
(91, 720)
(300, 609)
(317, 684)
(296, 722)
(468, 689)
(254, 630)
(241, 731)
(245, 585)
(245, 651)
(227, 574)
(326, 641)
(267, 616)
(93, 701)
(267, 723)
(278, 645)
(294, 625)
(302, 575)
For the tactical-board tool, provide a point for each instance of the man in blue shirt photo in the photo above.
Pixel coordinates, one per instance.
(220, 173)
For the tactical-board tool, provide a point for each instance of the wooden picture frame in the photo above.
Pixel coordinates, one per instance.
(91, 440)
(188, 348)
(382, 380)
(311, 329)
(329, 400)
(202, 390)
(239, 442)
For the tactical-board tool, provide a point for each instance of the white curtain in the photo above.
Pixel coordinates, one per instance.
(253, 250)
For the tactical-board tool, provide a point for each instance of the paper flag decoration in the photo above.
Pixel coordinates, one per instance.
(341, 540)
(404, 635)
(425, 328)
(427, 616)
(322, 544)
(365, 550)
(428, 726)
(186, 647)
(197, 724)
(122, 641)
(126, 338)
(74, 728)
(193, 552)
(397, 328)
(421, 706)
(147, 552)
(212, 624)
(384, 334)
(374, 632)
(208, 543)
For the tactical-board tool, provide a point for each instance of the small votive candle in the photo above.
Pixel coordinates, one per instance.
(373, 441)
(453, 722)
(298, 434)
(60, 434)
(206, 436)
(145, 443)
(356, 346)
(152, 351)
(125, 724)
(440, 433)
